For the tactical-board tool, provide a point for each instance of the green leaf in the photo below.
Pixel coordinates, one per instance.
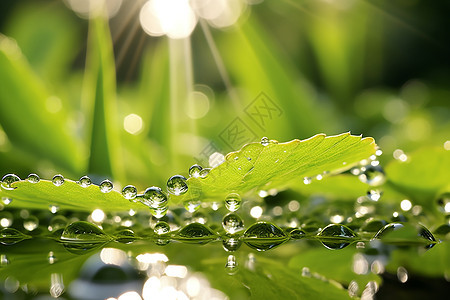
(25, 116)
(100, 90)
(423, 174)
(258, 167)
(70, 195)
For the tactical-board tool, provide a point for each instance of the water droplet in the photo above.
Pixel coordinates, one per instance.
(8, 180)
(443, 202)
(154, 197)
(125, 236)
(33, 178)
(265, 141)
(353, 289)
(231, 265)
(161, 228)
(195, 170)
(129, 192)
(231, 244)
(336, 236)
(177, 185)
(58, 180)
(6, 219)
(307, 180)
(192, 205)
(386, 229)
(10, 236)
(31, 223)
(57, 222)
(127, 221)
(53, 208)
(51, 258)
(106, 186)
(196, 233)
(232, 223)
(402, 274)
(204, 172)
(296, 233)
(84, 181)
(4, 261)
(159, 212)
(374, 194)
(83, 232)
(306, 272)
(372, 175)
(233, 202)
(263, 236)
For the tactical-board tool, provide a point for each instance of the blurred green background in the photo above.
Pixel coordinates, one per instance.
(76, 100)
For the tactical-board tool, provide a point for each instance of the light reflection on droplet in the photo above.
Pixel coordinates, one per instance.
(400, 155)
(336, 219)
(133, 124)
(402, 274)
(405, 205)
(56, 285)
(360, 264)
(377, 267)
(353, 289)
(98, 215)
(176, 271)
(216, 159)
(256, 212)
(307, 180)
(447, 145)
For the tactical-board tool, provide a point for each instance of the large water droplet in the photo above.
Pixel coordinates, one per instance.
(263, 236)
(336, 236)
(10, 236)
(406, 234)
(232, 223)
(265, 141)
(58, 180)
(106, 186)
(129, 192)
(83, 232)
(33, 178)
(372, 175)
(177, 185)
(233, 202)
(85, 181)
(196, 233)
(195, 170)
(31, 223)
(154, 197)
(8, 180)
(159, 212)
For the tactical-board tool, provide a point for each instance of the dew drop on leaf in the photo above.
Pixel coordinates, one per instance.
(263, 236)
(177, 185)
(129, 192)
(6, 219)
(85, 181)
(106, 186)
(336, 236)
(232, 223)
(33, 178)
(125, 236)
(204, 172)
(81, 231)
(195, 231)
(372, 175)
(8, 180)
(10, 236)
(51, 258)
(161, 228)
(159, 212)
(307, 180)
(265, 141)
(233, 202)
(195, 170)
(58, 180)
(154, 197)
(296, 233)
